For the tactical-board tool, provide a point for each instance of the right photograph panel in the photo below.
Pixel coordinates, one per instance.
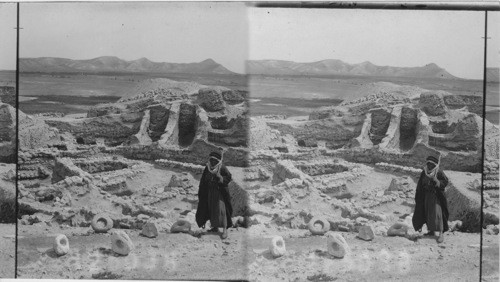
(366, 137)
(490, 185)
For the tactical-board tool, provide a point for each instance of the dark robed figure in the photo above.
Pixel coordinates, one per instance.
(214, 200)
(431, 207)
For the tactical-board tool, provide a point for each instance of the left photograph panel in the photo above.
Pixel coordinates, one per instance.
(8, 45)
(132, 141)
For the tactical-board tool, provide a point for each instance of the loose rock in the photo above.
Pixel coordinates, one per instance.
(149, 230)
(398, 229)
(181, 226)
(491, 230)
(455, 225)
(366, 233)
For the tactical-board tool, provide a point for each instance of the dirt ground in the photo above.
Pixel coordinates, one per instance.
(490, 263)
(7, 250)
(245, 255)
(169, 256)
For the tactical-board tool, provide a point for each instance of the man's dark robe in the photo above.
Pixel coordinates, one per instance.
(427, 185)
(210, 181)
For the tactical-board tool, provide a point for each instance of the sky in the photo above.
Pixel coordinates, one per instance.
(161, 32)
(230, 33)
(8, 36)
(451, 39)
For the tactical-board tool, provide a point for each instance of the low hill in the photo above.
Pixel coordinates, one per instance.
(115, 64)
(338, 67)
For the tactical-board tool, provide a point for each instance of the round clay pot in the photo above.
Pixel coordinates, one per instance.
(61, 245)
(121, 243)
(318, 226)
(336, 245)
(101, 223)
(277, 247)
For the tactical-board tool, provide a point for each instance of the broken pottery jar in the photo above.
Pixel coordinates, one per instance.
(318, 226)
(277, 247)
(101, 223)
(61, 245)
(121, 243)
(336, 244)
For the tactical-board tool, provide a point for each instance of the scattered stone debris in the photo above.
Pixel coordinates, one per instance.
(491, 230)
(398, 229)
(181, 226)
(455, 225)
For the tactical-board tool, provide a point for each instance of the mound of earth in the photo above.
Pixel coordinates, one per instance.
(384, 127)
(150, 88)
(384, 90)
(7, 133)
(162, 116)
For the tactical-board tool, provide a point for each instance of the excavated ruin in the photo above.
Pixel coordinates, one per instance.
(139, 160)
(358, 164)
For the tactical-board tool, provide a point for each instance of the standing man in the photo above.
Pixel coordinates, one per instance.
(431, 207)
(214, 200)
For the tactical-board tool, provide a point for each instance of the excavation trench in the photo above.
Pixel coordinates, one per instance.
(379, 125)
(408, 128)
(158, 121)
(321, 169)
(187, 124)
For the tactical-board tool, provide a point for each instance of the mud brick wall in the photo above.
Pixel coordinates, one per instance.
(451, 161)
(473, 103)
(196, 154)
(114, 128)
(102, 110)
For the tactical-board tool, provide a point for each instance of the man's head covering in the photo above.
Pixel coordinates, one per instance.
(433, 159)
(215, 155)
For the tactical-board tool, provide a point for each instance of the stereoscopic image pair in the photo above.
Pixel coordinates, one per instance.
(249, 141)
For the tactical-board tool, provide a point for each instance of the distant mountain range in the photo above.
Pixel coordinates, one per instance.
(338, 67)
(114, 64)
